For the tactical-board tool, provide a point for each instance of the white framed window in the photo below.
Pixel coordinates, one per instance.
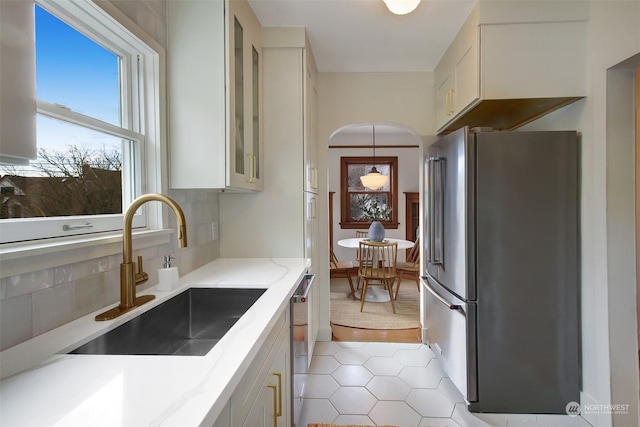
(97, 90)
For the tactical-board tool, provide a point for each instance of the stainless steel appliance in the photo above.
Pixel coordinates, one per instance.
(300, 345)
(501, 267)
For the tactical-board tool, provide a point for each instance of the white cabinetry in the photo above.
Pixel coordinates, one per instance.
(310, 121)
(504, 74)
(282, 221)
(224, 419)
(291, 73)
(456, 75)
(272, 406)
(263, 396)
(214, 95)
(287, 223)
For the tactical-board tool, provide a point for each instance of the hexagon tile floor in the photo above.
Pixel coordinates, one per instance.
(395, 384)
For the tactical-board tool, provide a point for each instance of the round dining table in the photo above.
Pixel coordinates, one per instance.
(354, 242)
(375, 293)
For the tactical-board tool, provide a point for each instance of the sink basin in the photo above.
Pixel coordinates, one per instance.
(188, 324)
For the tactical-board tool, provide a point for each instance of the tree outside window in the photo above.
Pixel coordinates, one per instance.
(359, 205)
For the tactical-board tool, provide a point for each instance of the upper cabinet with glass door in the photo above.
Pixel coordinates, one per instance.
(215, 94)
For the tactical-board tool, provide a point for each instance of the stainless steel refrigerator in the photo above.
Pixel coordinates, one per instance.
(500, 267)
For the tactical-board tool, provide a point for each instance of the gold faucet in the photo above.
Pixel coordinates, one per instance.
(129, 278)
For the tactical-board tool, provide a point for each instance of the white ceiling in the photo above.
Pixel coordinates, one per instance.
(363, 36)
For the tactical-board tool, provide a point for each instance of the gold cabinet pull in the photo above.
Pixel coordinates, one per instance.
(446, 102)
(254, 168)
(277, 398)
(250, 179)
(279, 375)
(452, 102)
(275, 404)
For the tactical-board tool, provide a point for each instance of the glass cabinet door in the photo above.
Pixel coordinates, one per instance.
(244, 141)
(238, 75)
(255, 74)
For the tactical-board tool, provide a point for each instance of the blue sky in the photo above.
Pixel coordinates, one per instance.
(74, 71)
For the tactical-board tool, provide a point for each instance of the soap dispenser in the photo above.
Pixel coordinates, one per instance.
(168, 275)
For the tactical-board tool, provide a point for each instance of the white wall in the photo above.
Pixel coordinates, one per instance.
(403, 98)
(346, 98)
(609, 340)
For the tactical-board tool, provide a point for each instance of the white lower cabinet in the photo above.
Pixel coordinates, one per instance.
(224, 419)
(272, 406)
(263, 396)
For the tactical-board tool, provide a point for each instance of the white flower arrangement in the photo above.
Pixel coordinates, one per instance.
(372, 209)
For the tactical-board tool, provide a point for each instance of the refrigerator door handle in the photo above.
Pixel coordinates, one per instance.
(435, 213)
(430, 207)
(439, 209)
(425, 282)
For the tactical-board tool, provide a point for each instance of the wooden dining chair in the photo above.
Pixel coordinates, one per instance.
(341, 268)
(377, 267)
(361, 234)
(411, 268)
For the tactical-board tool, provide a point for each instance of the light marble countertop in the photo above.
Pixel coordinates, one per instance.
(44, 386)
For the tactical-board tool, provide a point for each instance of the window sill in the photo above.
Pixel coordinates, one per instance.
(24, 258)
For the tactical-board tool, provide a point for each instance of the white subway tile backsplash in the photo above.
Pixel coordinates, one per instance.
(180, 197)
(209, 215)
(203, 234)
(111, 286)
(147, 254)
(88, 295)
(16, 322)
(25, 284)
(52, 307)
(187, 210)
(104, 264)
(70, 272)
(193, 197)
(199, 214)
(152, 269)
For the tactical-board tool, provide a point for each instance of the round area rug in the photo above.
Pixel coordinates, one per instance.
(345, 311)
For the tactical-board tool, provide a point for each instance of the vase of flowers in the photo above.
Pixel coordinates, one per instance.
(374, 211)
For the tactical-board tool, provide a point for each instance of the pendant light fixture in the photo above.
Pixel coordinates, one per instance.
(374, 179)
(401, 7)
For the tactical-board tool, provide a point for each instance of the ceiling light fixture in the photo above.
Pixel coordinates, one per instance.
(401, 7)
(374, 179)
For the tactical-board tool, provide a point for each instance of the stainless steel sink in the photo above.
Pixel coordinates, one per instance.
(189, 324)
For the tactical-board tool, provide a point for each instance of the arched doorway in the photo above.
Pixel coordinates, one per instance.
(355, 141)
